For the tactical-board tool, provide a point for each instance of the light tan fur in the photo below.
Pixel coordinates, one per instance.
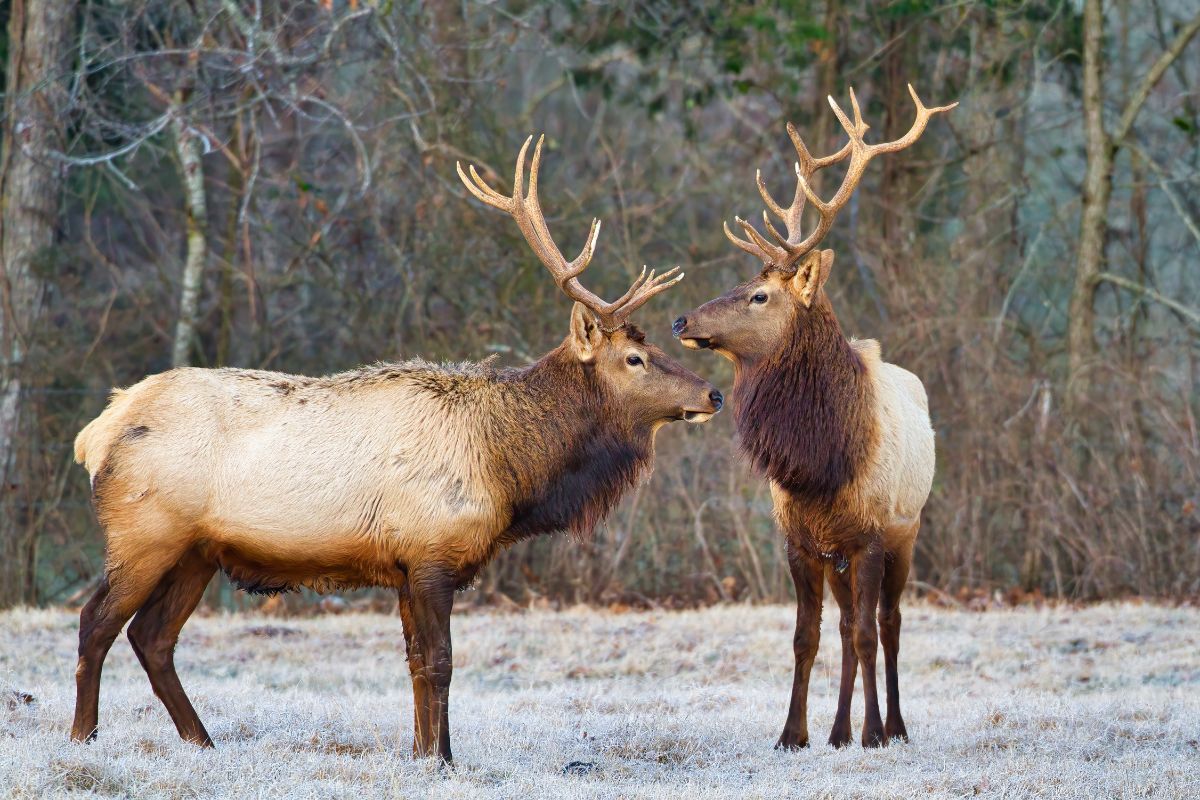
(328, 475)
(894, 488)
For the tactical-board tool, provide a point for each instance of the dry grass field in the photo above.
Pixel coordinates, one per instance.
(1094, 702)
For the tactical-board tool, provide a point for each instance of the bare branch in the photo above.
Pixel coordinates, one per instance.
(1191, 315)
(1152, 77)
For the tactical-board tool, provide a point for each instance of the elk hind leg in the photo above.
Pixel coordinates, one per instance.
(895, 575)
(866, 578)
(127, 583)
(155, 630)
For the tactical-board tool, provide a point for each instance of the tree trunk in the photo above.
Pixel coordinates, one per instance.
(30, 187)
(1093, 221)
(187, 148)
(1097, 188)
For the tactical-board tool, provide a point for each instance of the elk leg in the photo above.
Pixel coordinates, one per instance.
(839, 584)
(154, 632)
(122, 592)
(432, 600)
(807, 575)
(416, 671)
(895, 575)
(866, 577)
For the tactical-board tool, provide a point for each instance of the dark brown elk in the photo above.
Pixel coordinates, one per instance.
(843, 436)
(406, 475)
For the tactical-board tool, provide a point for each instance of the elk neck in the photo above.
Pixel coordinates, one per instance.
(805, 414)
(563, 451)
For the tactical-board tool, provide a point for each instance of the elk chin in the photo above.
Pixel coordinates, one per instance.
(696, 342)
(697, 417)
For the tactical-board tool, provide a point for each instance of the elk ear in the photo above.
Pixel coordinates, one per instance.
(585, 332)
(812, 274)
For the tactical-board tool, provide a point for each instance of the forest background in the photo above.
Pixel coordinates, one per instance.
(271, 184)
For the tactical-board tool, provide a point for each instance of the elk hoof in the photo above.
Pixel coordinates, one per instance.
(790, 742)
(840, 737)
(896, 730)
(874, 738)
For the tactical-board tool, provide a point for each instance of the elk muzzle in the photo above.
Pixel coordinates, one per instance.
(687, 337)
(715, 402)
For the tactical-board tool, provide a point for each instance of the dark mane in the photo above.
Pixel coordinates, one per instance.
(568, 454)
(452, 381)
(635, 333)
(804, 415)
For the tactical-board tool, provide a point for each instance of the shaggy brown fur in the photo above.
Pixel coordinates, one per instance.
(804, 415)
(570, 474)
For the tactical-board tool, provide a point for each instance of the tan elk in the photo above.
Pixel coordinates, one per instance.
(843, 436)
(406, 475)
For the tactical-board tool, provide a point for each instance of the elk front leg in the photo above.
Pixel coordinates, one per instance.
(866, 576)
(432, 592)
(416, 670)
(839, 583)
(807, 575)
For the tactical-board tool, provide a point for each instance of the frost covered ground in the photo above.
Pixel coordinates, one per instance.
(1094, 702)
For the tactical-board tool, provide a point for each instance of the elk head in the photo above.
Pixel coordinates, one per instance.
(749, 321)
(653, 387)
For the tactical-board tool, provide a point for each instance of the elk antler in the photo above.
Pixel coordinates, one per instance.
(527, 211)
(786, 251)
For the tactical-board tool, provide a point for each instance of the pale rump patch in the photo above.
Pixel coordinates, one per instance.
(896, 483)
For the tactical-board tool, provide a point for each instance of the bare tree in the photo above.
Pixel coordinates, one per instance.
(30, 188)
(191, 169)
(1102, 148)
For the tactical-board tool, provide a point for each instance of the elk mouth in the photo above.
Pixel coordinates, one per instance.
(716, 403)
(696, 342)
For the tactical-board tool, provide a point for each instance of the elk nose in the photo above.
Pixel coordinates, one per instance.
(717, 399)
(677, 328)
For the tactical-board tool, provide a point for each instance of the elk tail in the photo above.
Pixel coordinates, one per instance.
(97, 437)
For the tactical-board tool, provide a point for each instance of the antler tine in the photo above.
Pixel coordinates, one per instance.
(481, 190)
(526, 209)
(652, 286)
(802, 185)
(769, 201)
(772, 251)
(918, 127)
(743, 245)
(860, 155)
(519, 172)
(806, 165)
(637, 284)
(773, 231)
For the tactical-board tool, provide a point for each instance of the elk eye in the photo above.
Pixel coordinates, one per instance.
(633, 361)
(761, 297)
